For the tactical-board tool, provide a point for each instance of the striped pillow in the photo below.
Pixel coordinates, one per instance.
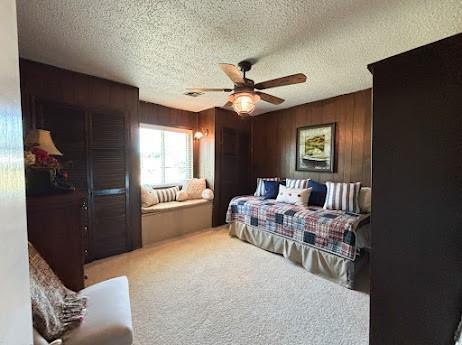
(294, 183)
(343, 196)
(260, 191)
(167, 194)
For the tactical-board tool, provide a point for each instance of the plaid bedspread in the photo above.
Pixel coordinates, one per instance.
(328, 230)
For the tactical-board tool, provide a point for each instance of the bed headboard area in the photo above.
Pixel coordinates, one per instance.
(274, 139)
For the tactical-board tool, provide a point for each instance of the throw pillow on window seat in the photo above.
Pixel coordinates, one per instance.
(167, 194)
(148, 197)
(194, 187)
(207, 194)
(182, 196)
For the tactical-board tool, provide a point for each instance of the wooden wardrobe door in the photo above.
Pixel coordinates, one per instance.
(228, 171)
(109, 184)
(234, 169)
(416, 258)
(243, 160)
(67, 126)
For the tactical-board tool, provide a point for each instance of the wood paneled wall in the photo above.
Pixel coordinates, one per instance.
(45, 82)
(156, 114)
(274, 138)
(159, 115)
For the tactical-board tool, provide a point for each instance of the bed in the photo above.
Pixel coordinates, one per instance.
(327, 243)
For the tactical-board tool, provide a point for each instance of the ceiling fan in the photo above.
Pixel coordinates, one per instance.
(244, 97)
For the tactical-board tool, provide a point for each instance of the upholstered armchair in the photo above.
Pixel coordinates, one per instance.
(108, 319)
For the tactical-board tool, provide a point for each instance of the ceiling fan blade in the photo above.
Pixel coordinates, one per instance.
(288, 80)
(270, 98)
(233, 73)
(204, 89)
(228, 104)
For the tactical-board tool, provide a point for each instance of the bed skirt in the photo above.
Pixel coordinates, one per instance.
(329, 266)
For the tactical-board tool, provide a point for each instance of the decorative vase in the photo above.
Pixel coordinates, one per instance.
(40, 180)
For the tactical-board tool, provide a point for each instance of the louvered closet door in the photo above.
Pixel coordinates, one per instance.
(109, 184)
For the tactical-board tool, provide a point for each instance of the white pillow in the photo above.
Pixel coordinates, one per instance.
(207, 194)
(295, 196)
(182, 196)
(194, 187)
(365, 195)
(148, 197)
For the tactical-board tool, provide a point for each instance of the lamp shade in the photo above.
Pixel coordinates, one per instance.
(244, 102)
(42, 139)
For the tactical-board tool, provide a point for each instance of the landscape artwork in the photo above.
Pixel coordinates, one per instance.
(315, 148)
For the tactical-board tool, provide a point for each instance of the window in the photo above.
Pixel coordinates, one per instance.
(166, 155)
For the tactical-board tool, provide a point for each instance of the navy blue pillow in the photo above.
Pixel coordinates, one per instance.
(318, 193)
(271, 189)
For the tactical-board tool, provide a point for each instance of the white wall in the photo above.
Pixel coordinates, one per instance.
(15, 314)
(458, 336)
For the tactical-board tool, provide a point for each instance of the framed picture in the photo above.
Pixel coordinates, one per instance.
(315, 148)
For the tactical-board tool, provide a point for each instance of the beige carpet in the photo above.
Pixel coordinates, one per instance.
(209, 288)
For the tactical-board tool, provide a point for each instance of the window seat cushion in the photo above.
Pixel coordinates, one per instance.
(171, 219)
(172, 205)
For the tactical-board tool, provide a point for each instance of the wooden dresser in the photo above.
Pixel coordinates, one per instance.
(56, 226)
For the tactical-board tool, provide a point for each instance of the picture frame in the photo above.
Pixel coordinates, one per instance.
(315, 149)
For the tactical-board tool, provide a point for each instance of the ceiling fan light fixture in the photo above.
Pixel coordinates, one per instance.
(244, 97)
(244, 102)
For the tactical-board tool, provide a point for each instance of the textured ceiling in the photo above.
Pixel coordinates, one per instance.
(163, 47)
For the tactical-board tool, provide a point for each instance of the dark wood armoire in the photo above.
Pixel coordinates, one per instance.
(416, 256)
(94, 123)
(94, 140)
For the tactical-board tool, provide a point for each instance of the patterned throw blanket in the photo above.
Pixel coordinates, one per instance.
(328, 230)
(55, 309)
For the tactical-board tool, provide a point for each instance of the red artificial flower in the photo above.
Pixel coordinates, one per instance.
(43, 159)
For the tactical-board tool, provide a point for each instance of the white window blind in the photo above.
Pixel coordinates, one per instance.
(166, 155)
